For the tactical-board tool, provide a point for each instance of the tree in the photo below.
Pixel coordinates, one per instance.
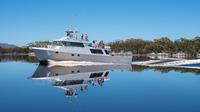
(163, 44)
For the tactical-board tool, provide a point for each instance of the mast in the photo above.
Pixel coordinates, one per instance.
(72, 33)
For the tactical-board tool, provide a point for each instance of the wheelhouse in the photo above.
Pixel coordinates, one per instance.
(71, 40)
(93, 50)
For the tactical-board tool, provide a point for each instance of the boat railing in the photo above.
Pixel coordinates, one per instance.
(54, 47)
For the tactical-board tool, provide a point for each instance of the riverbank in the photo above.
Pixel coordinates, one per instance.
(18, 54)
(18, 57)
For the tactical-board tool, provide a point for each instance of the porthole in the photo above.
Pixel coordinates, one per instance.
(78, 55)
(56, 52)
(72, 54)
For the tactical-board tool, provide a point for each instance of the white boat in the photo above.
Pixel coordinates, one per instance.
(72, 48)
(71, 79)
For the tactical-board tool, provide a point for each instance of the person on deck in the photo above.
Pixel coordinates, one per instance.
(82, 37)
(86, 37)
(101, 44)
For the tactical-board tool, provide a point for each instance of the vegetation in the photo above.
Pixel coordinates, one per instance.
(26, 58)
(39, 44)
(24, 50)
(190, 47)
(17, 50)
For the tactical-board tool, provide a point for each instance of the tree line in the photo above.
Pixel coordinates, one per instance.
(4, 58)
(15, 50)
(39, 44)
(25, 49)
(190, 47)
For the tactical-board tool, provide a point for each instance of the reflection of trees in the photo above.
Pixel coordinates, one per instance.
(140, 58)
(15, 50)
(26, 58)
(139, 68)
(162, 69)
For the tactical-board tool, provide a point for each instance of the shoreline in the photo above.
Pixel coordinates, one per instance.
(17, 54)
(182, 63)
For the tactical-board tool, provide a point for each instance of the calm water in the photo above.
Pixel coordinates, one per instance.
(27, 87)
(193, 65)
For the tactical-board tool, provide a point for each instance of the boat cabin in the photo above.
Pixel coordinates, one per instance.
(72, 40)
(68, 44)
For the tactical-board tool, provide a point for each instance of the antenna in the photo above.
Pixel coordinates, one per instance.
(71, 26)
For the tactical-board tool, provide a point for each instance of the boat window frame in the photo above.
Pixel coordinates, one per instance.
(96, 51)
(73, 44)
(96, 74)
(57, 43)
(106, 51)
(106, 74)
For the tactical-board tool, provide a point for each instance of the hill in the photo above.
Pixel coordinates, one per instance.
(5, 45)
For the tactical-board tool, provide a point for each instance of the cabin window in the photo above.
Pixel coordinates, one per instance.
(96, 51)
(74, 82)
(106, 74)
(57, 43)
(93, 75)
(73, 44)
(106, 52)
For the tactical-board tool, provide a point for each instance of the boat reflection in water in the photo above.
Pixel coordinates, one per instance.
(72, 79)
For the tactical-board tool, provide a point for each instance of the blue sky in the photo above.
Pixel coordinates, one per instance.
(23, 21)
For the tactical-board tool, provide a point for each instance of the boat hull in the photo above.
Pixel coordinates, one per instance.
(45, 55)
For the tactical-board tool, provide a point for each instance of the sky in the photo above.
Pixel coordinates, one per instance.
(24, 21)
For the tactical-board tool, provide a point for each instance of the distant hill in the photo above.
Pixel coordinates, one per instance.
(5, 45)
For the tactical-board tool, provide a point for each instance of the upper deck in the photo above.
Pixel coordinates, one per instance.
(72, 41)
